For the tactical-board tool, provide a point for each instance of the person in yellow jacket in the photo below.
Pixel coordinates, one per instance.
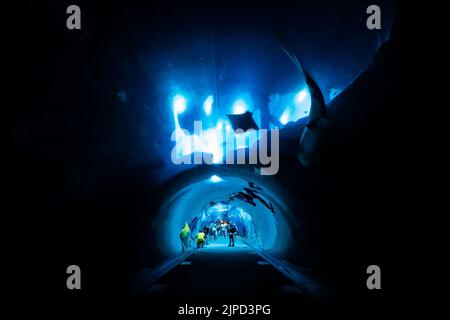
(200, 239)
(184, 236)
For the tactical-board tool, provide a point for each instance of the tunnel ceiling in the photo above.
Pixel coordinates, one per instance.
(212, 60)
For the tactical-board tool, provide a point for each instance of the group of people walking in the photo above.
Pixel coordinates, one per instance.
(220, 229)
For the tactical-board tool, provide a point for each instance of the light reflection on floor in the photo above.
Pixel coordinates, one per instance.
(221, 245)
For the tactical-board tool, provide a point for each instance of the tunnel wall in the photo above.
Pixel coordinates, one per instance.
(188, 199)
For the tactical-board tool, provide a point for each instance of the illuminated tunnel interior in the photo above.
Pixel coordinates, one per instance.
(104, 119)
(255, 208)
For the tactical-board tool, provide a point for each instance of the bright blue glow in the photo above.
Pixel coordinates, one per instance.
(179, 104)
(246, 139)
(292, 107)
(301, 96)
(239, 107)
(207, 105)
(220, 207)
(288, 107)
(284, 117)
(257, 117)
(219, 125)
(210, 141)
(215, 179)
(302, 105)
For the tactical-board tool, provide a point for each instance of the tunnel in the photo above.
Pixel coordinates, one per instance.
(91, 181)
(238, 197)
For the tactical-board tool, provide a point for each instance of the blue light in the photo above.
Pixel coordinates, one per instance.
(239, 107)
(207, 105)
(284, 117)
(300, 97)
(297, 107)
(257, 117)
(179, 104)
(212, 143)
(209, 141)
(246, 139)
(215, 179)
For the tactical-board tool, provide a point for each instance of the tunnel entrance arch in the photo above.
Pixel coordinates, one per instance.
(254, 203)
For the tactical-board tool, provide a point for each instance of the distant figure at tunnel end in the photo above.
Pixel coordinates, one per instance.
(232, 231)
